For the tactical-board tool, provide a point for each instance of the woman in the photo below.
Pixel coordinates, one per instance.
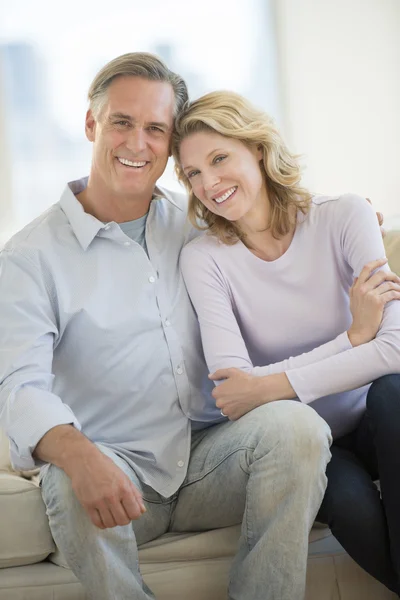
(273, 286)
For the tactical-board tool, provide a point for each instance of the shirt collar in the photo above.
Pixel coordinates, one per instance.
(161, 193)
(86, 226)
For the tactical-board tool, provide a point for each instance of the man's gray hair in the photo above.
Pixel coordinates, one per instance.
(136, 64)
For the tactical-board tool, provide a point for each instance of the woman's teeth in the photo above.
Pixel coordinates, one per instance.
(226, 195)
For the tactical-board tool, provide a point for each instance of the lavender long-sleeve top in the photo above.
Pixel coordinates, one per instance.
(291, 314)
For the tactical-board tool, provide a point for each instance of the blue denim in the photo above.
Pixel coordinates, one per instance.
(266, 471)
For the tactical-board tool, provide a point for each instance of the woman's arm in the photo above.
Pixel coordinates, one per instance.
(360, 242)
(222, 339)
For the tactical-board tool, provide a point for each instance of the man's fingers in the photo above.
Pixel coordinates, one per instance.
(106, 515)
(119, 513)
(370, 267)
(96, 518)
(139, 498)
(133, 507)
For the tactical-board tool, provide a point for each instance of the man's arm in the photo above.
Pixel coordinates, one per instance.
(102, 488)
(38, 424)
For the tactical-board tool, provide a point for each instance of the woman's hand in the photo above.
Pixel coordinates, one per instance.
(368, 296)
(240, 392)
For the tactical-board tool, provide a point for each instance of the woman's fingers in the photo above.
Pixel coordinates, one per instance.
(389, 296)
(377, 279)
(370, 268)
(387, 287)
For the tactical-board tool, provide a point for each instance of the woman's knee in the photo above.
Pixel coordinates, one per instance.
(384, 396)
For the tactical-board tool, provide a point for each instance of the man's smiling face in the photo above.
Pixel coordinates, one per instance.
(131, 136)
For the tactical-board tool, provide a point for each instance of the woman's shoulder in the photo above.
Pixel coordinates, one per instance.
(204, 243)
(342, 202)
(338, 208)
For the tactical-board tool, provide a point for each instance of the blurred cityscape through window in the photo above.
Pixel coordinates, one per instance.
(49, 55)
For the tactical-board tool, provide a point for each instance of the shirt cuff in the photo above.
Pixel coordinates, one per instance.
(38, 412)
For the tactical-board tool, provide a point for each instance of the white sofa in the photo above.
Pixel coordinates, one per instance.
(175, 566)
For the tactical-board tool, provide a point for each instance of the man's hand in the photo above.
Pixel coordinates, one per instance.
(105, 491)
(241, 392)
(102, 488)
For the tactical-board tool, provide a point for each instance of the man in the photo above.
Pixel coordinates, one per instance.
(104, 385)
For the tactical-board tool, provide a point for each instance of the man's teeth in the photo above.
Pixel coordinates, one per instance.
(225, 196)
(129, 163)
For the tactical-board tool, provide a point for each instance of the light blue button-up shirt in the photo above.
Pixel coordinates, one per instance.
(96, 333)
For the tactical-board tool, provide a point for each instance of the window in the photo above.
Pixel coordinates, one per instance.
(49, 55)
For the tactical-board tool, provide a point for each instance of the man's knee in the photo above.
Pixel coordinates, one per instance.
(57, 491)
(297, 428)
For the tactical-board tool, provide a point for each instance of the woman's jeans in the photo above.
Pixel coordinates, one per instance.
(266, 471)
(366, 525)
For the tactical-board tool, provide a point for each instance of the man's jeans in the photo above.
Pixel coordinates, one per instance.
(366, 525)
(266, 471)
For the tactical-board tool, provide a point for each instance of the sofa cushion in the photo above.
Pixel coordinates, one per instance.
(25, 533)
(5, 464)
(26, 538)
(392, 247)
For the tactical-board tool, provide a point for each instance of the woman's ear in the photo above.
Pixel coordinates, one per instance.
(260, 154)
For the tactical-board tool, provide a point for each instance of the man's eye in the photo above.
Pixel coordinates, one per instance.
(155, 128)
(122, 123)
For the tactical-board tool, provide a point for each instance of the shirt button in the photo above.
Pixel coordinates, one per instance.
(180, 463)
(127, 243)
(152, 279)
(179, 370)
(167, 323)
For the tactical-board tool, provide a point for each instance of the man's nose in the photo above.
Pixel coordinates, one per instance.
(136, 141)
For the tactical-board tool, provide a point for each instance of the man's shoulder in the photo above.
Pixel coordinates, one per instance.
(177, 198)
(36, 234)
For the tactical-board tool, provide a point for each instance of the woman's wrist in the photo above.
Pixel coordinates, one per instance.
(355, 337)
(277, 387)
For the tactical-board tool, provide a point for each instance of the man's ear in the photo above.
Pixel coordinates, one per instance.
(90, 126)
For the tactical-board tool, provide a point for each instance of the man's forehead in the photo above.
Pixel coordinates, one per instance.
(137, 97)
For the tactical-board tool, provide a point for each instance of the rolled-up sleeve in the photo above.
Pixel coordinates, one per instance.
(28, 333)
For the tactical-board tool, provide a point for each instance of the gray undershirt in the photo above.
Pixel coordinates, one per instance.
(136, 230)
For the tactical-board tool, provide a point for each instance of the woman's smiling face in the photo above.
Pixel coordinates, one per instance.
(224, 173)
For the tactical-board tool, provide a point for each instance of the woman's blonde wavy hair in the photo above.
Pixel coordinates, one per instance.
(231, 115)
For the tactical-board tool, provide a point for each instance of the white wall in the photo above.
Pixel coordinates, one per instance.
(340, 76)
(6, 212)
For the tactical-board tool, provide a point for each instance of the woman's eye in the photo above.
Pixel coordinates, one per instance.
(218, 159)
(191, 174)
